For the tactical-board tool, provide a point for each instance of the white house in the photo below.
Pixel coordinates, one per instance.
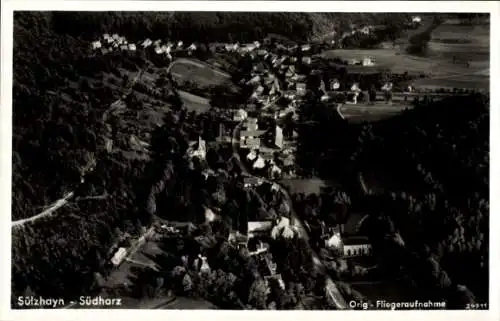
(210, 216)
(259, 163)
(96, 45)
(124, 47)
(180, 44)
(252, 155)
(275, 170)
(147, 43)
(240, 115)
(115, 36)
(192, 47)
(132, 47)
(201, 264)
(367, 61)
(201, 151)
(365, 30)
(356, 90)
(119, 256)
(356, 246)
(334, 85)
(387, 86)
(306, 60)
(305, 47)
(416, 19)
(301, 89)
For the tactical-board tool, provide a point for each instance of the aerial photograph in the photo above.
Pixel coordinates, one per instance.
(250, 160)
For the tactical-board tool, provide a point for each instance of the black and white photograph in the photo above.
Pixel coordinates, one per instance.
(248, 160)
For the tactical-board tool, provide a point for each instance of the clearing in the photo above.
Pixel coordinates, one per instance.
(198, 72)
(306, 186)
(446, 43)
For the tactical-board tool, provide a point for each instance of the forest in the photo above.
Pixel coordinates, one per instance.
(427, 172)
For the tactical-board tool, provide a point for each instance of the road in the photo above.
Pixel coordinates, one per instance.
(52, 208)
(331, 288)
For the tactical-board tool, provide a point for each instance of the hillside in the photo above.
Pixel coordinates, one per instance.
(217, 26)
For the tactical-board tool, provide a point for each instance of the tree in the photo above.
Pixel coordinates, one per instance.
(257, 297)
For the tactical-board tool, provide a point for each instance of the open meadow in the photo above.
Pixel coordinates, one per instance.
(199, 73)
(468, 44)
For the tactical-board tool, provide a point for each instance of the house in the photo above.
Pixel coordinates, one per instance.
(260, 89)
(278, 137)
(367, 62)
(109, 40)
(259, 163)
(306, 60)
(251, 142)
(251, 124)
(210, 216)
(115, 37)
(416, 19)
(356, 246)
(96, 45)
(365, 30)
(249, 47)
(123, 47)
(306, 47)
(192, 47)
(158, 50)
(119, 256)
(252, 155)
(201, 151)
(157, 43)
(240, 115)
(254, 80)
(180, 44)
(262, 52)
(300, 88)
(239, 239)
(255, 228)
(201, 264)
(252, 182)
(387, 86)
(289, 94)
(275, 171)
(355, 90)
(132, 47)
(353, 62)
(146, 43)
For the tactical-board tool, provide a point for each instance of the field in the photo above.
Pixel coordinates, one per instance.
(198, 73)
(193, 102)
(362, 112)
(446, 43)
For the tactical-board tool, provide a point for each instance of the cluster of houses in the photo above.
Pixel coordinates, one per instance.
(108, 43)
(266, 148)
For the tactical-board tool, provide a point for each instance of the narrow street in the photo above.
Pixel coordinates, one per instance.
(331, 289)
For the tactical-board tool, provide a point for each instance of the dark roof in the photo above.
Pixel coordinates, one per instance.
(254, 133)
(355, 240)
